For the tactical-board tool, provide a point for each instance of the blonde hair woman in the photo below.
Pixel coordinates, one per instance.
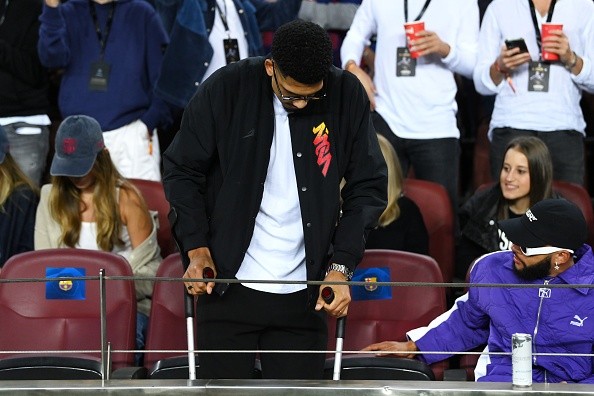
(89, 205)
(18, 202)
(401, 225)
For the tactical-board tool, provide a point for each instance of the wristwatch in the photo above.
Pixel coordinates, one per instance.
(571, 65)
(343, 269)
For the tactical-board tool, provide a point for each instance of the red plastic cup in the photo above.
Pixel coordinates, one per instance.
(411, 29)
(545, 32)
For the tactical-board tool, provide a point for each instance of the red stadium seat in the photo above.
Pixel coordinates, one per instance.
(154, 195)
(434, 204)
(65, 315)
(167, 324)
(579, 196)
(409, 307)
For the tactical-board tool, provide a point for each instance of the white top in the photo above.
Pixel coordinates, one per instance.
(424, 106)
(88, 240)
(277, 248)
(557, 109)
(40, 119)
(219, 33)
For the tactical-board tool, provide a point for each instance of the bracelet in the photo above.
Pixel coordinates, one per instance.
(505, 74)
(571, 65)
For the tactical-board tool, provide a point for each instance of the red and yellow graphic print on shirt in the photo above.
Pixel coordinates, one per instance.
(322, 147)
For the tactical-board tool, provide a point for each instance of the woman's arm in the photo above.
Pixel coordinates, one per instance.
(135, 216)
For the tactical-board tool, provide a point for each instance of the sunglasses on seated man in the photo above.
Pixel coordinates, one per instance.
(541, 250)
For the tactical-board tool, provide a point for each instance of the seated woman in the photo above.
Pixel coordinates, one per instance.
(18, 202)
(526, 177)
(89, 205)
(401, 225)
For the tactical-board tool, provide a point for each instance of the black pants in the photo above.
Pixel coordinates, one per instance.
(247, 319)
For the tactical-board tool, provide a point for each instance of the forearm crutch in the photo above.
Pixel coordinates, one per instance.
(328, 296)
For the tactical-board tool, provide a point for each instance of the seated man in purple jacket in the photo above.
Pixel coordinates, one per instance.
(548, 249)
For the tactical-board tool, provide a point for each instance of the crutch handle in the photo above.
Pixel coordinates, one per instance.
(328, 295)
(208, 273)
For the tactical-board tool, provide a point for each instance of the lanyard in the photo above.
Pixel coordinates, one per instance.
(100, 36)
(420, 14)
(3, 16)
(535, 21)
(223, 15)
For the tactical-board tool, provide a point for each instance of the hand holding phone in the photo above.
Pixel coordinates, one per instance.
(517, 43)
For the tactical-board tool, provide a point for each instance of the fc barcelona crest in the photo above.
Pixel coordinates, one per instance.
(65, 285)
(370, 287)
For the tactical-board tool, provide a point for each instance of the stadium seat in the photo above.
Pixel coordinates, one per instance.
(380, 368)
(387, 313)
(578, 195)
(64, 315)
(154, 195)
(167, 324)
(434, 204)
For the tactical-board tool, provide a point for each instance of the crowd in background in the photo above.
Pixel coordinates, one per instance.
(133, 65)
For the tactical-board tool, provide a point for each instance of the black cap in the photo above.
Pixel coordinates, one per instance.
(551, 222)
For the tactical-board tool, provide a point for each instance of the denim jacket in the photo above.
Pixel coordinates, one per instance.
(189, 23)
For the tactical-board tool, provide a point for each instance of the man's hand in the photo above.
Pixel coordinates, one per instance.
(558, 43)
(200, 258)
(399, 349)
(507, 61)
(52, 3)
(427, 42)
(510, 59)
(342, 296)
(365, 80)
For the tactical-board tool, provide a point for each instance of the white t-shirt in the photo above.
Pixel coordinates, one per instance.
(277, 248)
(423, 106)
(557, 109)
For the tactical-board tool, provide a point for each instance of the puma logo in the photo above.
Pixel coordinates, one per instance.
(580, 321)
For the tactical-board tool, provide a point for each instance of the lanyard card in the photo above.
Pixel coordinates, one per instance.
(99, 76)
(405, 65)
(231, 50)
(538, 76)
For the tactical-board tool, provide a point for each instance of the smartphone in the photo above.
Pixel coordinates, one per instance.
(516, 43)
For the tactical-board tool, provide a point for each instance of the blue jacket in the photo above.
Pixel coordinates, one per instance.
(492, 314)
(67, 39)
(189, 23)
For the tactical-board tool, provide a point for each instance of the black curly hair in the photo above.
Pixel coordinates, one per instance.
(302, 50)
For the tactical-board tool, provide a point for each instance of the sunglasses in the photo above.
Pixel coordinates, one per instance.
(541, 250)
(285, 98)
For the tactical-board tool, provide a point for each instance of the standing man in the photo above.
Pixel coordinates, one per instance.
(24, 94)
(415, 98)
(111, 52)
(253, 178)
(549, 107)
(548, 249)
(209, 34)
